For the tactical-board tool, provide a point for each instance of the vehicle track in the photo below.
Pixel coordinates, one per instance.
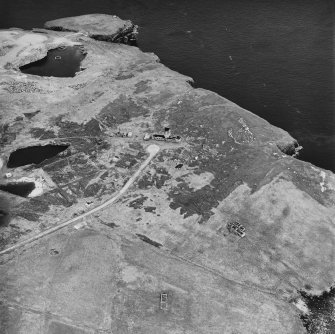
(151, 149)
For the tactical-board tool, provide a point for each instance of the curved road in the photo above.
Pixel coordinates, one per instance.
(151, 149)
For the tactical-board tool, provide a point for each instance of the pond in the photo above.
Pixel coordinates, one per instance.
(22, 189)
(34, 155)
(60, 62)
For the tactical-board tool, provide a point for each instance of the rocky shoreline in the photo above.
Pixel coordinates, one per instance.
(101, 27)
(170, 231)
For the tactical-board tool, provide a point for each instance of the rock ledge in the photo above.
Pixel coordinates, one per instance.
(101, 27)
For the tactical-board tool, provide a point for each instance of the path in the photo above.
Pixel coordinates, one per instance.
(151, 149)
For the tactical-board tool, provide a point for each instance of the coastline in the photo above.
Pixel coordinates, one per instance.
(234, 166)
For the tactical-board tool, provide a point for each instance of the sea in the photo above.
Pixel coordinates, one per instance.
(272, 57)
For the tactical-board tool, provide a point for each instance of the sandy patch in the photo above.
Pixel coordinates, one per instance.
(199, 181)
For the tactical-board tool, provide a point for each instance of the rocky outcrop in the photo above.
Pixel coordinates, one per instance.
(101, 27)
(292, 148)
(169, 233)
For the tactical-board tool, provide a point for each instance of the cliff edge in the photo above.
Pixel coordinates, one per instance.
(218, 232)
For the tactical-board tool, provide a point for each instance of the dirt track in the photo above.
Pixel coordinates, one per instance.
(152, 150)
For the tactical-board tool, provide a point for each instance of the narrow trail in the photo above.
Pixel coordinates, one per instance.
(170, 254)
(151, 149)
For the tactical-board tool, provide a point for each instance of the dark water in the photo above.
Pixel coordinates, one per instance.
(33, 155)
(321, 317)
(22, 189)
(274, 58)
(60, 62)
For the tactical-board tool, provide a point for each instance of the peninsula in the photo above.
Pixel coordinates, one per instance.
(133, 202)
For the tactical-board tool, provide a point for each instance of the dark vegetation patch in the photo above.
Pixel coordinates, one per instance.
(32, 209)
(286, 211)
(68, 197)
(149, 241)
(31, 216)
(112, 225)
(42, 133)
(211, 150)
(122, 76)
(138, 147)
(22, 189)
(142, 86)
(93, 190)
(73, 167)
(34, 155)
(58, 197)
(86, 145)
(10, 235)
(72, 129)
(75, 189)
(320, 320)
(109, 224)
(120, 111)
(4, 212)
(82, 165)
(188, 118)
(138, 202)
(150, 209)
(158, 179)
(4, 218)
(96, 95)
(185, 119)
(199, 202)
(80, 186)
(59, 173)
(87, 137)
(30, 115)
(109, 187)
(230, 171)
(102, 144)
(104, 175)
(127, 160)
(60, 62)
(7, 135)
